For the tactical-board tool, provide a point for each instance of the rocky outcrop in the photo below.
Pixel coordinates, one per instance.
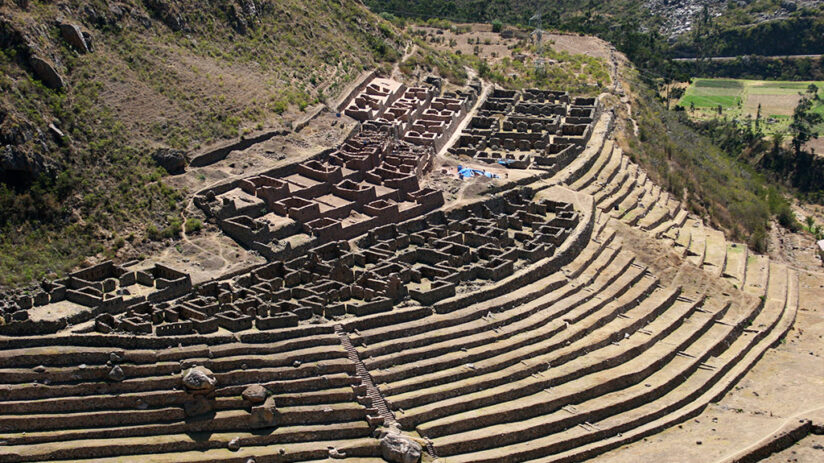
(242, 15)
(30, 164)
(174, 161)
(46, 72)
(14, 38)
(166, 12)
(75, 37)
(397, 448)
(109, 16)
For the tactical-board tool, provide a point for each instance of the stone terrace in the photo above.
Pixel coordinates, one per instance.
(517, 327)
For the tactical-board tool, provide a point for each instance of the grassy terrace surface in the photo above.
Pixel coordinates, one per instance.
(162, 74)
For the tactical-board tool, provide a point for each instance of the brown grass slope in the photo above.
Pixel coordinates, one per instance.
(161, 74)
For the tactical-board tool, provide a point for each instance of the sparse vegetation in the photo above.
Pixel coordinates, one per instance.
(727, 192)
(580, 74)
(211, 77)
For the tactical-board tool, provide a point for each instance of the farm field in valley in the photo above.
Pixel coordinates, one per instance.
(740, 98)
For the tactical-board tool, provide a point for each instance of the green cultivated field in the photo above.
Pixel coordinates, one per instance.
(709, 93)
(739, 98)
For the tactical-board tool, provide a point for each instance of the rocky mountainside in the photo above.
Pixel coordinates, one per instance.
(101, 99)
(679, 16)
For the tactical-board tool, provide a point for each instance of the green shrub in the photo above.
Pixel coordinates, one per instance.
(758, 241)
(174, 228)
(787, 219)
(280, 106)
(153, 233)
(193, 225)
(497, 25)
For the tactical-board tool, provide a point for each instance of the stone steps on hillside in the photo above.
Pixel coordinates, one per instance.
(448, 383)
(601, 349)
(592, 174)
(716, 252)
(703, 376)
(724, 380)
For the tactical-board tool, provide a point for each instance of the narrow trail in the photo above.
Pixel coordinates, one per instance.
(184, 237)
(409, 51)
(618, 89)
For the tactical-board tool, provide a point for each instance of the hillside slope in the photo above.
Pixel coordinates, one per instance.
(93, 89)
(638, 27)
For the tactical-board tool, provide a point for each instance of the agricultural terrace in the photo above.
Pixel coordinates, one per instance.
(740, 98)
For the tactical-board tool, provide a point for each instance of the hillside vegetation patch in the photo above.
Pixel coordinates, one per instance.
(161, 74)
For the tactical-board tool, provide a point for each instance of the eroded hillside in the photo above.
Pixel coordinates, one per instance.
(98, 95)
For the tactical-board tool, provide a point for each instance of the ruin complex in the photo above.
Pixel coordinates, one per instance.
(389, 324)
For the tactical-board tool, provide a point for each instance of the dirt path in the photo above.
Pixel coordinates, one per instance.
(410, 50)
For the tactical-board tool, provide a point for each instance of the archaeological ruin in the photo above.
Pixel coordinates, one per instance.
(390, 323)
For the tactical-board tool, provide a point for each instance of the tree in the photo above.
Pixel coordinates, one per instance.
(483, 69)
(497, 25)
(812, 89)
(758, 117)
(803, 126)
(778, 140)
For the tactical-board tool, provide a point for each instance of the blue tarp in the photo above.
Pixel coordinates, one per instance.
(466, 172)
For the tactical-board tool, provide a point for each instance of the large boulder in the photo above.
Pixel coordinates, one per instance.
(397, 448)
(255, 394)
(174, 161)
(116, 374)
(71, 33)
(44, 71)
(167, 11)
(199, 380)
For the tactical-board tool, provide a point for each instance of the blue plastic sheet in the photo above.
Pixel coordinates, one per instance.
(466, 172)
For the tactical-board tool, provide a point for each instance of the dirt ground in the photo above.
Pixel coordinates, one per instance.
(780, 105)
(493, 48)
(579, 44)
(817, 145)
